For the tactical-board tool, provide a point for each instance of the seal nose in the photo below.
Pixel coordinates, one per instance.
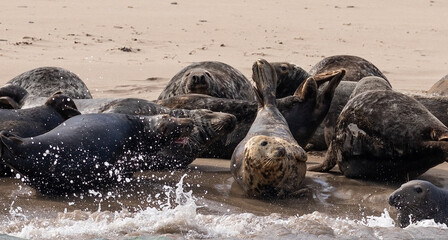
(280, 152)
(199, 79)
(393, 199)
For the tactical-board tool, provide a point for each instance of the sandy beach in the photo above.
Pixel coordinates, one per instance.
(133, 48)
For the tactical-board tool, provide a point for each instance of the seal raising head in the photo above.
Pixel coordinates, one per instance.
(418, 200)
(268, 161)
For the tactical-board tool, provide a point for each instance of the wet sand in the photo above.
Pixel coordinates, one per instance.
(132, 49)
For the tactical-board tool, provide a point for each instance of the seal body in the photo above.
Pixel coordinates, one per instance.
(303, 112)
(356, 67)
(216, 79)
(35, 121)
(419, 200)
(90, 151)
(385, 135)
(268, 161)
(440, 87)
(45, 81)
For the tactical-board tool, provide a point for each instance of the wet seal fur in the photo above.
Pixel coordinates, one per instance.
(90, 151)
(216, 79)
(38, 120)
(419, 200)
(269, 161)
(303, 111)
(44, 81)
(385, 135)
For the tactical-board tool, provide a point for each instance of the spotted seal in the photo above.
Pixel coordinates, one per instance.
(44, 81)
(385, 135)
(303, 111)
(90, 151)
(269, 161)
(212, 78)
(440, 87)
(419, 200)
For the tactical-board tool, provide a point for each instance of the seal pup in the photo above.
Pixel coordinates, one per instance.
(269, 161)
(440, 87)
(356, 67)
(212, 78)
(303, 111)
(35, 121)
(44, 81)
(417, 200)
(385, 135)
(90, 151)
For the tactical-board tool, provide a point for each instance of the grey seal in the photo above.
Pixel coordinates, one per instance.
(440, 87)
(212, 78)
(268, 161)
(419, 200)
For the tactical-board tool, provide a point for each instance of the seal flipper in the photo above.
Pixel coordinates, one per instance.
(328, 163)
(8, 140)
(307, 90)
(63, 105)
(265, 80)
(8, 103)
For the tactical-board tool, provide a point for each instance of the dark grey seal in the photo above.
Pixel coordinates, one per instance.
(303, 111)
(419, 200)
(90, 151)
(35, 121)
(289, 78)
(216, 79)
(269, 161)
(440, 87)
(45, 81)
(385, 135)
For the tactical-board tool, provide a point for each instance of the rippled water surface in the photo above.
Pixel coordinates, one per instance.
(204, 202)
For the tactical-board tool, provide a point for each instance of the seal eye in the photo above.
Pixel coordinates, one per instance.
(418, 190)
(283, 67)
(264, 143)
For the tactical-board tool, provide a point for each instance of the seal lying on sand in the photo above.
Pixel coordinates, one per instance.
(269, 161)
(440, 87)
(216, 79)
(303, 111)
(35, 121)
(90, 151)
(356, 67)
(418, 200)
(385, 135)
(44, 81)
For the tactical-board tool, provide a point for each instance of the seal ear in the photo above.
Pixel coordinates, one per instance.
(307, 90)
(63, 105)
(8, 103)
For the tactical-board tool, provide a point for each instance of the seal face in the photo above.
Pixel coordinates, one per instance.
(289, 78)
(418, 200)
(90, 151)
(356, 67)
(268, 161)
(216, 79)
(440, 87)
(44, 81)
(385, 135)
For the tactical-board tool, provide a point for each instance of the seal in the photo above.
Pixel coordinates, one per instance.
(440, 87)
(269, 161)
(289, 78)
(303, 111)
(212, 78)
(90, 151)
(437, 105)
(35, 121)
(44, 81)
(375, 139)
(12, 96)
(419, 200)
(356, 67)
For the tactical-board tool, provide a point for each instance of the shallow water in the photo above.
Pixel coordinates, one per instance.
(205, 202)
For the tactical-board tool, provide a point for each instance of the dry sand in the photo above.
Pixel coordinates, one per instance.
(406, 39)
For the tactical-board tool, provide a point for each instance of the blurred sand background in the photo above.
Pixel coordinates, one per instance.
(132, 48)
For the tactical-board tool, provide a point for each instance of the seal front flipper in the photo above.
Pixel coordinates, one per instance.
(8, 143)
(328, 163)
(8, 103)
